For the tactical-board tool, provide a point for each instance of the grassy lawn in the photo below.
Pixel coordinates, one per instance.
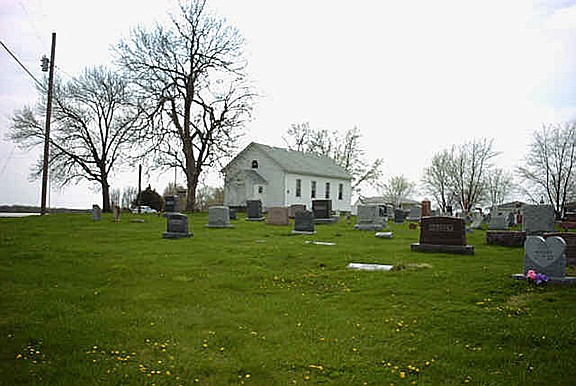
(88, 302)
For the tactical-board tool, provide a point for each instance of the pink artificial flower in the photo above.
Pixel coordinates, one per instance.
(531, 274)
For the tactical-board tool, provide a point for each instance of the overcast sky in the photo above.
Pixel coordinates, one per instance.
(414, 76)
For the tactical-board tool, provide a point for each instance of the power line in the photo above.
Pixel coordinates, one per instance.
(22, 65)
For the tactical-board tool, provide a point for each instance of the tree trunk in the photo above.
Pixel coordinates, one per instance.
(191, 177)
(105, 196)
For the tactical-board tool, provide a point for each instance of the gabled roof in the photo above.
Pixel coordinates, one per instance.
(301, 163)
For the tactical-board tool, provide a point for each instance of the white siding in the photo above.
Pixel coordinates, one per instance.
(273, 190)
(343, 205)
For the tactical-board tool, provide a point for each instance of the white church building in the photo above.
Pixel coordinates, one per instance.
(280, 177)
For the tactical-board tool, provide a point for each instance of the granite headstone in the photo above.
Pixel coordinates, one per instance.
(177, 226)
(278, 215)
(304, 222)
(254, 210)
(442, 234)
(96, 213)
(219, 217)
(537, 219)
(370, 217)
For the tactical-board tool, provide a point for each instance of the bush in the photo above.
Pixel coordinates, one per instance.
(151, 198)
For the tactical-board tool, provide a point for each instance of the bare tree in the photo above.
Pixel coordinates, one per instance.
(437, 180)
(344, 150)
(115, 196)
(549, 166)
(193, 73)
(470, 165)
(298, 137)
(499, 185)
(129, 196)
(95, 121)
(397, 189)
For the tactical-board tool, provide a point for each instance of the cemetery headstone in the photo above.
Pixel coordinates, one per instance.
(304, 223)
(170, 203)
(570, 240)
(538, 219)
(295, 208)
(370, 267)
(443, 234)
(322, 210)
(506, 238)
(177, 226)
(370, 217)
(399, 216)
(117, 213)
(96, 213)
(254, 210)
(547, 257)
(219, 217)
(278, 215)
(232, 214)
(498, 222)
(415, 213)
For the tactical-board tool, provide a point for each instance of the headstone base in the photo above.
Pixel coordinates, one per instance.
(566, 280)
(436, 248)
(219, 226)
(255, 218)
(383, 235)
(328, 220)
(175, 235)
(369, 227)
(295, 232)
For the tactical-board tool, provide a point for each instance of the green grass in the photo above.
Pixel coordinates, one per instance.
(88, 302)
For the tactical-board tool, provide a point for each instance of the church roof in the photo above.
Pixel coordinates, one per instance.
(302, 163)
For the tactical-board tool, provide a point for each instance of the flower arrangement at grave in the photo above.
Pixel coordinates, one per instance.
(536, 278)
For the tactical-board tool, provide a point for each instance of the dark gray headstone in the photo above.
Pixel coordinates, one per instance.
(218, 217)
(537, 219)
(322, 208)
(304, 222)
(170, 202)
(254, 210)
(399, 216)
(96, 213)
(442, 234)
(177, 226)
(295, 208)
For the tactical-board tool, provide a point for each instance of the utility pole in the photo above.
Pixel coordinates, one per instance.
(43, 210)
(139, 186)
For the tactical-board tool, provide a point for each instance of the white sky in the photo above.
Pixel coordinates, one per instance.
(414, 76)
